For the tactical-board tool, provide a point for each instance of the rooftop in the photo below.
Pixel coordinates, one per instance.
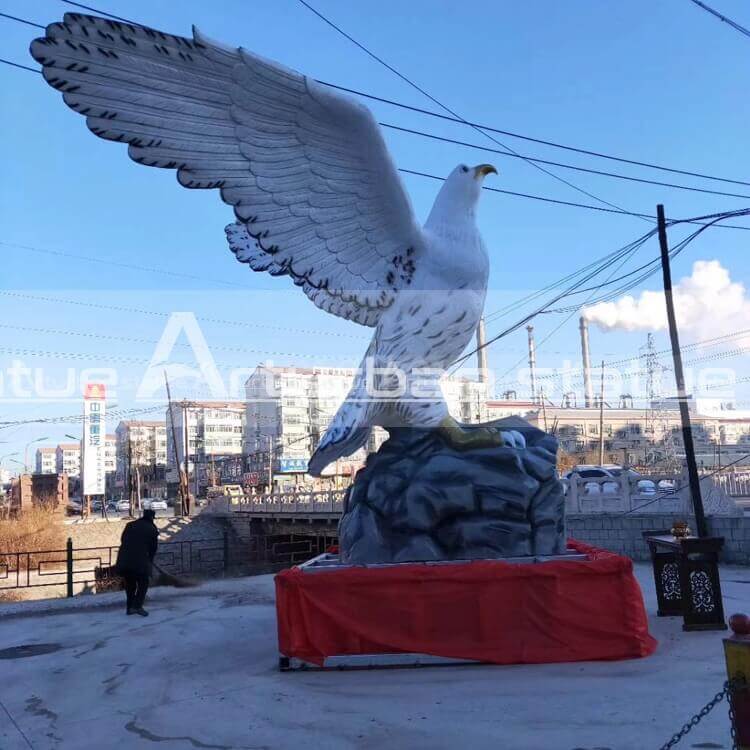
(201, 672)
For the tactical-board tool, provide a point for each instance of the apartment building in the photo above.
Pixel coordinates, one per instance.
(110, 454)
(141, 445)
(46, 460)
(215, 432)
(289, 410)
(68, 459)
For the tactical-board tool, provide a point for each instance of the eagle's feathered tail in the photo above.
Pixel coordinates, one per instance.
(348, 432)
(349, 429)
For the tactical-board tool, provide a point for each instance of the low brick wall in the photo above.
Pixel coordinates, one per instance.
(106, 533)
(623, 533)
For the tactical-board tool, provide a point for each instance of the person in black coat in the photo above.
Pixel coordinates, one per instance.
(137, 550)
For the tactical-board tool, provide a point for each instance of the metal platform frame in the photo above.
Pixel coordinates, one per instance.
(330, 561)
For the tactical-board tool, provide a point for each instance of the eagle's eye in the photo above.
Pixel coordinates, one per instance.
(464, 168)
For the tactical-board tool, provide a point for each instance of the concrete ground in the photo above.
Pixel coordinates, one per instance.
(201, 672)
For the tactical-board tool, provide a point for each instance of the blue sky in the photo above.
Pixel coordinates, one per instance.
(661, 82)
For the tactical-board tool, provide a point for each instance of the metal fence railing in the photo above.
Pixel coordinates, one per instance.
(84, 568)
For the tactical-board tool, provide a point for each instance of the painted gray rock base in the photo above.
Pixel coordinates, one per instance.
(418, 499)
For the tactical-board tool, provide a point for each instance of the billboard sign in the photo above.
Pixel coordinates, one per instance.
(93, 469)
(292, 465)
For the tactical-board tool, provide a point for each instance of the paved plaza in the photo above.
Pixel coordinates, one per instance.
(201, 672)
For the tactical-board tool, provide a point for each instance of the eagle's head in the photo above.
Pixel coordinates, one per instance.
(459, 195)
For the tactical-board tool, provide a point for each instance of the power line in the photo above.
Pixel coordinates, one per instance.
(120, 264)
(714, 341)
(108, 357)
(18, 65)
(102, 12)
(725, 385)
(485, 187)
(516, 194)
(438, 115)
(73, 418)
(562, 165)
(559, 202)
(446, 108)
(674, 490)
(574, 309)
(157, 313)
(722, 17)
(622, 254)
(21, 20)
(624, 260)
(552, 144)
(651, 268)
(151, 342)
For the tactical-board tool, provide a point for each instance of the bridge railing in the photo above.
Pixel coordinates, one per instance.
(292, 503)
(735, 483)
(647, 493)
(655, 492)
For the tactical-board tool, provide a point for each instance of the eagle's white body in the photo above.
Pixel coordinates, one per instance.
(314, 191)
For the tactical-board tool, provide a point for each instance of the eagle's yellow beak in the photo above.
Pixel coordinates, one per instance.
(482, 170)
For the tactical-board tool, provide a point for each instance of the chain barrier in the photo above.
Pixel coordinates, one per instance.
(730, 688)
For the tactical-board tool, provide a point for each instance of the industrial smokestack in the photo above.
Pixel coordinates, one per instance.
(588, 388)
(532, 362)
(482, 351)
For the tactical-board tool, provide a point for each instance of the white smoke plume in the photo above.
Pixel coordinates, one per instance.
(707, 303)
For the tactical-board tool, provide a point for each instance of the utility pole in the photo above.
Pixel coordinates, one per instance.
(270, 464)
(181, 502)
(601, 420)
(186, 454)
(687, 433)
(719, 450)
(131, 497)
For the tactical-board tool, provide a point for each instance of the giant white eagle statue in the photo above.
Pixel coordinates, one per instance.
(316, 198)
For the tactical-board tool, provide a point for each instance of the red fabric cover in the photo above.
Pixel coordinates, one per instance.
(486, 610)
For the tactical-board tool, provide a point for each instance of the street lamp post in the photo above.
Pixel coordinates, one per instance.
(7, 455)
(26, 452)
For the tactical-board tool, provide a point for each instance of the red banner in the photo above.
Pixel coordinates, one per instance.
(486, 610)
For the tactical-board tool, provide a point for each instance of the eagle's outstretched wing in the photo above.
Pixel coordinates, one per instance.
(313, 187)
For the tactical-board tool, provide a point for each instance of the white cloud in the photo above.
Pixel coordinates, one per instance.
(707, 304)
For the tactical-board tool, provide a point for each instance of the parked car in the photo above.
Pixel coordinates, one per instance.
(153, 503)
(644, 486)
(73, 508)
(122, 506)
(587, 471)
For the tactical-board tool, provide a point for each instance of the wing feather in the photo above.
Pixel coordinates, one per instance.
(306, 169)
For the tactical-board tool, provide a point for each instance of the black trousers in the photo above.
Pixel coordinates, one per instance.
(136, 586)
